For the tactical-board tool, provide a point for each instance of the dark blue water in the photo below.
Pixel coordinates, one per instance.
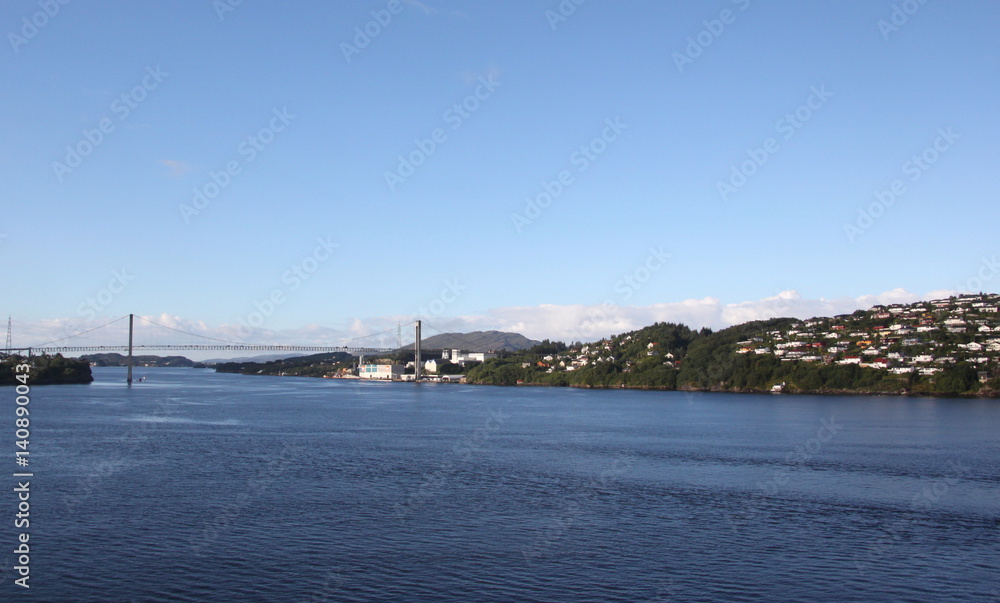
(194, 486)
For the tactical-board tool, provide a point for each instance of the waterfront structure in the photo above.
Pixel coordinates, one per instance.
(381, 371)
(460, 357)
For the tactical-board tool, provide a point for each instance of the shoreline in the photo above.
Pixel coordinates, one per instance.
(832, 393)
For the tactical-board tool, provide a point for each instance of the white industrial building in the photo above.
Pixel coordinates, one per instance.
(460, 357)
(381, 371)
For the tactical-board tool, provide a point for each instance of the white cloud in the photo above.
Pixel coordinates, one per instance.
(573, 322)
(546, 321)
(177, 168)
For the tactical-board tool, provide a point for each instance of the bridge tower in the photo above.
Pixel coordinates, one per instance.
(129, 378)
(8, 345)
(416, 359)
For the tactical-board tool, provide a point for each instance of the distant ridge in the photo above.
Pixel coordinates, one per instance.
(477, 341)
(115, 359)
(261, 358)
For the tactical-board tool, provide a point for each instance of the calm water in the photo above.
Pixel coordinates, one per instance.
(195, 486)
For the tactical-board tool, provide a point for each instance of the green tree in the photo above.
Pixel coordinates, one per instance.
(960, 378)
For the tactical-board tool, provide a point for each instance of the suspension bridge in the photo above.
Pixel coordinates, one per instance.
(110, 338)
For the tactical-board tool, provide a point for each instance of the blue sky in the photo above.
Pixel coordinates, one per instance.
(815, 106)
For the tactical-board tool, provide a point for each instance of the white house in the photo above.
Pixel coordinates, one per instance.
(434, 364)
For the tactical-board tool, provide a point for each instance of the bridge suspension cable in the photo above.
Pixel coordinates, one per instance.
(63, 344)
(226, 341)
(49, 343)
(413, 322)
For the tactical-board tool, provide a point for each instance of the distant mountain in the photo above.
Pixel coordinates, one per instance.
(477, 341)
(120, 360)
(314, 365)
(263, 358)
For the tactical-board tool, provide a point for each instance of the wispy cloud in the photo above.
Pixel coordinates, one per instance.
(561, 322)
(589, 322)
(177, 168)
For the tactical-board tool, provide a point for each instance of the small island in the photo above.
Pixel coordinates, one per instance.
(46, 370)
(114, 359)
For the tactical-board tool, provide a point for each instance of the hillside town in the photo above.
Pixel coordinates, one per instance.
(918, 338)
(908, 344)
